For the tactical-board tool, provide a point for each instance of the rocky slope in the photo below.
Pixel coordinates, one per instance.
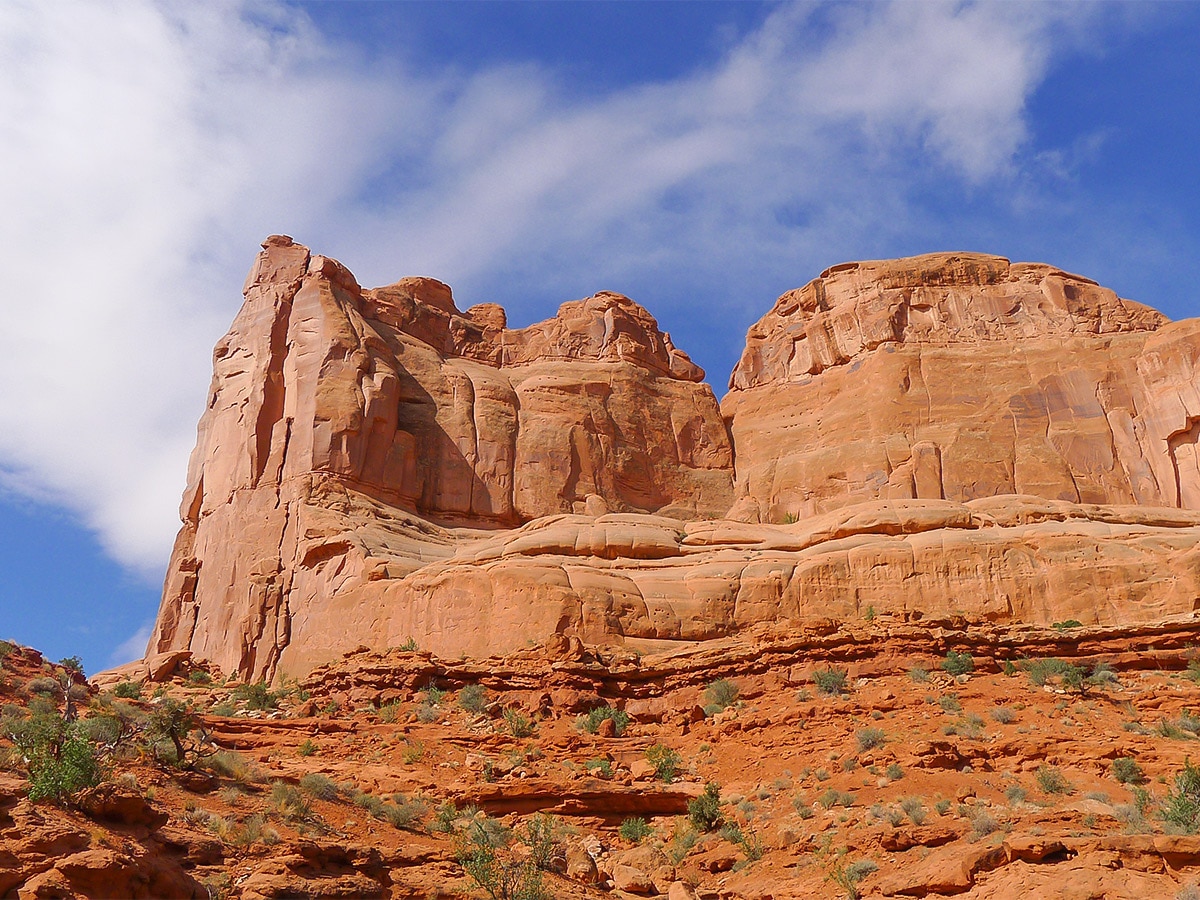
(847, 762)
(947, 434)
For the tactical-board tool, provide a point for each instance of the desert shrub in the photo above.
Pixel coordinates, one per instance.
(319, 786)
(307, 748)
(501, 876)
(831, 681)
(1041, 671)
(6, 647)
(404, 813)
(1052, 781)
(591, 722)
(869, 738)
(957, 663)
(60, 759)
(409, 646)
(231, 764)
(473, 698)
(914, 809)
(390, 712)
(434, 695)
(199, 677)
(704, 812)
(982, 823)
(848, 877)
(427, 713)
(175, 735)
(919, 674)
(45, 686)
(666, 762)
(1127, 771)
(289, 802)
(1181, 808)
(1015, 794)
(256, 696)
(1069, 623)
(518, 725)
(413, 752)
(719, 695)
(1003, 715)
(72, 664)
(950, 703)
(541, 835)
(635, 830)
(894, 772)
(128, 690)
(445, 817)
(834, 797)
(599, 767)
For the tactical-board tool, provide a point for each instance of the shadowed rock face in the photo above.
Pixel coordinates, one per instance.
(949, 434)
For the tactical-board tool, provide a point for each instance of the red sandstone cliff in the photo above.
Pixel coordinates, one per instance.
(952, 434)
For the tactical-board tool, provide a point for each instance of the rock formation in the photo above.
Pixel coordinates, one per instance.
(942, 435)
(972, 377)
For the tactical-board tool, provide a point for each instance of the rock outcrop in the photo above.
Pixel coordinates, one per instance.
(971, 377)
(943, 435)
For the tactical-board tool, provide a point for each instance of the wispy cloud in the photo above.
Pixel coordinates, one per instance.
(148, 147)
(133, 647)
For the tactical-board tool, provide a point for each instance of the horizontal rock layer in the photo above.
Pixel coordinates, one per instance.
(948, 434)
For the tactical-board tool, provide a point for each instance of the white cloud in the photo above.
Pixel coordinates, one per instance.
(149, 147)
(133, 647)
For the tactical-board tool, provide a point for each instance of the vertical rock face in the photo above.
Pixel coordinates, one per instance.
(944, 435)
(330, 403)
(961, 376)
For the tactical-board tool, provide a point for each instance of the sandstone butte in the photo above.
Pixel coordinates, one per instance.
(497, 574)
(949, 434)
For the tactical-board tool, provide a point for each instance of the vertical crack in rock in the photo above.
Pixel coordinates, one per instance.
(1183, 443)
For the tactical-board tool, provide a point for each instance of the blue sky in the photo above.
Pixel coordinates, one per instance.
(701, 158)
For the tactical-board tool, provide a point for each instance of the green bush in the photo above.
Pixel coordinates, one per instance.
(257, 696)
(501, 876)
(289, 802)
(72, 664)
(518, 725)
(1127, 771)
(705, 811)
(541, 836)
(128, 690)
(833, 797)
(170, 728)
(719, 695)
(869, 738)
(1041, 671)
(848, 877)
(1052, 781)
(635, 830)
(666, 762)
(44, 686)
(957, 663)
(600, 767)
(59, 757)
(199, 678)
(831, 681)
(473, 698)
(319, 786)
(591, 722)
(1181, 808)
(1003, 715)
